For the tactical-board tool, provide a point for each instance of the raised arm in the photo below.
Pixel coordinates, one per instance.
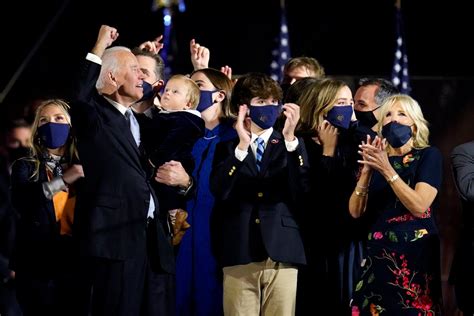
(107, 35)
(200, 55)
(153, 46)
(83, 112)
(90, 67)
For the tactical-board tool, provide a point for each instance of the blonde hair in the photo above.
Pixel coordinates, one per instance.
(310, 63)
(316, 101)
(37, 148)
(194, 92)
(413, 110)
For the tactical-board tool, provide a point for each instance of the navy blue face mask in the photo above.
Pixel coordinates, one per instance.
(205, 100)
(264, 116)
(148, 91)
(396, 134)
(53, 135)
(340, 116)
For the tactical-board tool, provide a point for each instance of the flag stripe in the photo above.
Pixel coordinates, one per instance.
(400, 76)
(282, 53)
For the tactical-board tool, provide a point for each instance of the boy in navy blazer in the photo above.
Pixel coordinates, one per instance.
(256, 233)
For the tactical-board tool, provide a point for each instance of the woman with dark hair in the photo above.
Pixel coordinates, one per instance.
(198, 280)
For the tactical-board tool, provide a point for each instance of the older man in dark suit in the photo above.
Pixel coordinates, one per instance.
(462, 273)
(124, 238)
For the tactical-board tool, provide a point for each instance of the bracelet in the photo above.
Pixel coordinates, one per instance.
(359, 193)
(393, 179)
(361, 187)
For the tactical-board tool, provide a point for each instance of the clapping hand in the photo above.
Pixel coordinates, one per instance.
(374, 154)
(242, 126)
(292, 113)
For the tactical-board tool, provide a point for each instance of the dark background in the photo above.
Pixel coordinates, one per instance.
(354, 38)
(351, 39)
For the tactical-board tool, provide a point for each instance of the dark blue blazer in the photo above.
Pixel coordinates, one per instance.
(256, 214)
(7, 226)
(112, 212)
(37, 231)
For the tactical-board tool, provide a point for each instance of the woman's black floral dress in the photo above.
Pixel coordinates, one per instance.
(401, 273)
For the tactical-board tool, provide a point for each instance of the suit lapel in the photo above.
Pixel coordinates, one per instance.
(120, 128)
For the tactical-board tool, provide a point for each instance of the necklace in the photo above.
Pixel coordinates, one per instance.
(208, 138)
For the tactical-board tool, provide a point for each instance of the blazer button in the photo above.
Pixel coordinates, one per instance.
(257, 221)
(260, 194)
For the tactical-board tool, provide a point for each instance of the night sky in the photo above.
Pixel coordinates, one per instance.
(353, 38)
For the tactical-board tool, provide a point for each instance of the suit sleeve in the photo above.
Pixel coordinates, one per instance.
(225, 170)
(25, 192)
(299, 173)
(83, 111)
(462, 159)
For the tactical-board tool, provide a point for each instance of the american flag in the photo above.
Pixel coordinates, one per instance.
(168, 8)
(166, 50)
(400, 64)
(282, 53)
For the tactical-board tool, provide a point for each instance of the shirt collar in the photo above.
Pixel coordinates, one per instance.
(265, 135)
(117, 105)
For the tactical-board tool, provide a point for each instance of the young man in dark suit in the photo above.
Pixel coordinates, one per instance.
(124, 237)
(256, 181)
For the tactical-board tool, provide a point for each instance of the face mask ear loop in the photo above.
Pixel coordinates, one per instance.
(375, 109)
